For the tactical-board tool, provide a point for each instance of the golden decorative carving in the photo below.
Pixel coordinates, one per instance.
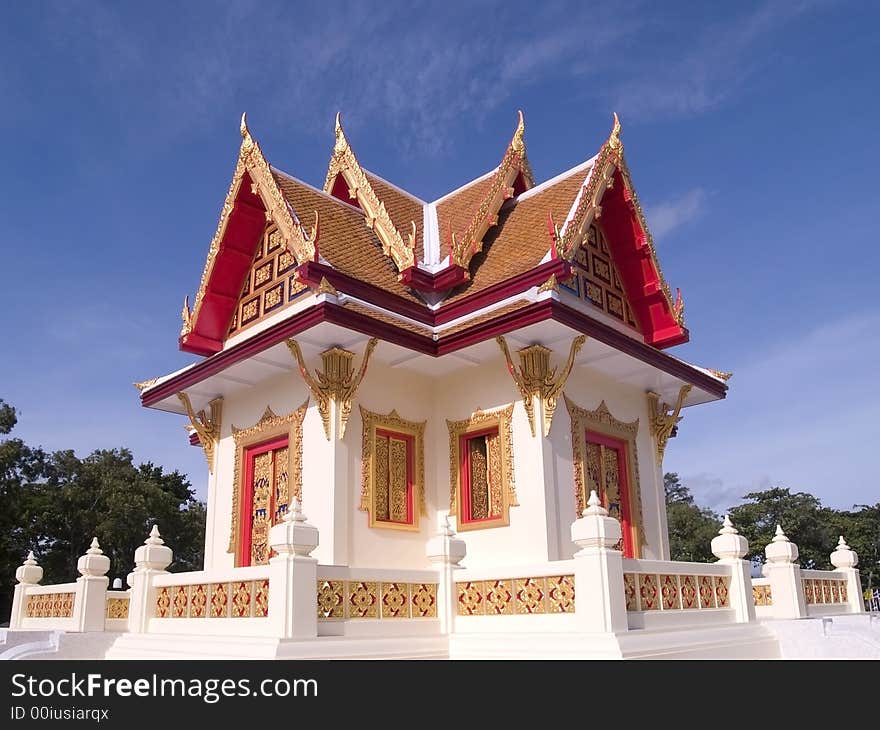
(482, 421)
(462, 249)
(251, 161)
(205, 425)
(336, 384)
(117, 607)
(664, 419)
(144, 384)
(550, 285)
(269, 426)
(588, 207)
(601, 421)
(376, 217)
(352, 599)
(535, 378)
(505, 596)
(325, 287)
(720, 374)
(372, 472)
(50, 605)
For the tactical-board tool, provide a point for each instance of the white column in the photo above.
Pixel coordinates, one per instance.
(599, 598)
(293, 577)
(90, 606)
(150, 560)
(845, 560)
(786, 585)
(445, 551)
(27, 574)
(730, 547)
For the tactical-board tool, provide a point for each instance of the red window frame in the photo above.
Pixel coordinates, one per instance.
(464, 472)
(622, 448)
(246, 517)
(410, 441)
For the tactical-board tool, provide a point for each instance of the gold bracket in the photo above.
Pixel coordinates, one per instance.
(536, 379)
(664, 418)
(337, 383)
(206, 426)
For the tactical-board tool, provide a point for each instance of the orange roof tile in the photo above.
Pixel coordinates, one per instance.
(455, 212)
(403, 210)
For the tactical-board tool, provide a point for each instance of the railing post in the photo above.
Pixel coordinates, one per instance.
(150, 560)
(784, 574)
(445, 550)
(845, 559)
(599, 598)
(293, 577)
(90, 605)
(27, 574)
(730, 548)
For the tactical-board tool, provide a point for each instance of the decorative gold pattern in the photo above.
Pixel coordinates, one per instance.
(219, 600)
(325, 287)
(49, 605)
(251, 161)
(669, 592)
(536, 379)
(630, 591)
(688, 591)
(762, 595)
(331, 599)
(336, 383)
(117, 608)
(144, 384)
(363, 601)
(506, 596)
(240, 599)
(706, 592)
(601, 421)
(648, 592)
(818, 591)
(268, 427)
(395, 600)
(163, 603)
(483, 421)
(206, 426)
(342, 599)
(376, 216)
(720, 374)
(179, 605)
(376, 499)
(423, 600)
(462, 249)
(722, 591)
(665, 419)
(651, 592)
(270, 283)
(588, 206)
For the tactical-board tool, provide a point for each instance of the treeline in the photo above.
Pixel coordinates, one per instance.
(54, 503)
(807, 523)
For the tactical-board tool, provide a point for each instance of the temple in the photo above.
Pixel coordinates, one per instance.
(437, 429)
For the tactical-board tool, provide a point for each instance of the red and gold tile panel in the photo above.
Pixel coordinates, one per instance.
(117, 607)
(819, 591)
(505, 596)
(343, 599)
(762, 595)
(653, 592)
(270, 283)
(236, 599)
(49, 605)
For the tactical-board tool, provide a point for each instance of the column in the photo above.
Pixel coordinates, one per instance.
(150, 560)
(786, 584)
(730, 548)
(27, 574)
(845, 560)
(445, 551)
(90, 606)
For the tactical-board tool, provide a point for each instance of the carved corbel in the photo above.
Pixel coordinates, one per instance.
(664, 419)
(536, 379)
(337, 383)
(206, 425)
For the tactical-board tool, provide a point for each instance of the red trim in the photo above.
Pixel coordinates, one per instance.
(245, 518)
(529, 314)
(443, 280)
(622, 450)
(194, 439)
(410, 471)
(465, 474)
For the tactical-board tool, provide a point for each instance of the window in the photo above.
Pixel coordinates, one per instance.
(267, 477)
(481, 466)
(392, 479)
(605, 460)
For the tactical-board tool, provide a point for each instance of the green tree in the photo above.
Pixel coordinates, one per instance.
(860, 528)
(691, 528)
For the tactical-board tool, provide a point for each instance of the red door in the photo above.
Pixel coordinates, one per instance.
(607, 472)
(265, 498)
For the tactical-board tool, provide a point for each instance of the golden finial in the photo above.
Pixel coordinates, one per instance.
(144, 384)
(678, 307)
(243, 127)
(614, 139)
(186, 316)
(720, 374)
(517, 142)
(341, 142)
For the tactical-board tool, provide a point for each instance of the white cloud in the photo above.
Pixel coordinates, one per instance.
(665, 217)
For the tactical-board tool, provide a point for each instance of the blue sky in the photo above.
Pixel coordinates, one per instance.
(750, 128)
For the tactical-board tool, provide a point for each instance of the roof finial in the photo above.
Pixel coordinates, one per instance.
(341, 142)
(614, 139)
(243, 127)
(517, 142)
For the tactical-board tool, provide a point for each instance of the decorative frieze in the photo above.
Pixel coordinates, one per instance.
(354, 599)
(49, 605)
(233, 599)
(667, 592)
(509, 596)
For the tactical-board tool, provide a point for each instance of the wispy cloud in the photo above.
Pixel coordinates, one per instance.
(665, 217)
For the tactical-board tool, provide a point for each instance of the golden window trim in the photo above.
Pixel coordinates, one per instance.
(478, 421)
(393, 422)
(268, 427)
(602, 421)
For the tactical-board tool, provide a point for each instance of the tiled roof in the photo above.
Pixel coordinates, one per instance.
(521, 238)
(344, 240)
(455, 211)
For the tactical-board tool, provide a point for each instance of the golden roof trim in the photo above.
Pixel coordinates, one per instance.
(144, 384)
(376, 217)
(600, 179)
(302, 245)
(463, 249)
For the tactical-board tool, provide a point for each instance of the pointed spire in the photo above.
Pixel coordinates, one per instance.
(780, 535)
(95, 548)
(614, 137)
(517, 142)
(243, 127)
(841, 544)
(728, 528)
(341, 141)
(154, 538)
(30, 559)
(594, 506)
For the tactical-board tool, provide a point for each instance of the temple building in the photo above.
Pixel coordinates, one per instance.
(436, 430)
